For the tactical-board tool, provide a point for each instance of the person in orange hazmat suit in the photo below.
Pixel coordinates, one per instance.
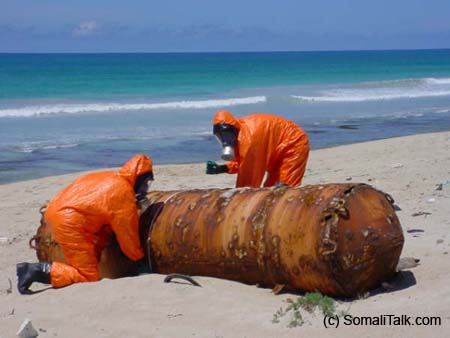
(82, 217)
(258, 143)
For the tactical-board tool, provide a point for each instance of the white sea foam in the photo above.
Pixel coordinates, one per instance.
(383, 90)
(29, 147)
(441, 111)
(109, 107)
(438, 81)
(357, 96)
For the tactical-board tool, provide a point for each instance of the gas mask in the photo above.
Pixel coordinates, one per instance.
(142, 185)
(226, 135)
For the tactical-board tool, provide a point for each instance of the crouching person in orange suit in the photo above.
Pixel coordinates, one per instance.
(257, 144)
(80, 217)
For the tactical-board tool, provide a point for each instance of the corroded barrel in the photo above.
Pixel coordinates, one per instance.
(339, 239)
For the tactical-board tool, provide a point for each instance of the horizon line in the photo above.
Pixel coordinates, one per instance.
(235, 52)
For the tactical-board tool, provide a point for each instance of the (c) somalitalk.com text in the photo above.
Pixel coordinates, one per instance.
(381, 320)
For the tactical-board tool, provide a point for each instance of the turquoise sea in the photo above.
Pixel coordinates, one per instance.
(61, 113)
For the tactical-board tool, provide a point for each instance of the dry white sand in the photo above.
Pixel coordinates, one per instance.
(407, 168)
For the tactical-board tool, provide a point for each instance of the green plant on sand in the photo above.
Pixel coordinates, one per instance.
(309, 302)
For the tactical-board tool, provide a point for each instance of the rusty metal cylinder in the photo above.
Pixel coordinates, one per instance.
(339, 239)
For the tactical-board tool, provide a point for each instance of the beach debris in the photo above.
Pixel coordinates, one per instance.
(352, 224)
(421, 213)
(412, 231)
(277, 289)
(187, 278)
(431, 200)
(255, 253)
(27, 330)
(170, 315)
(9, 313)
(397, 165)
(439, 241)
(440, 186)
(407, 263)
(348, 178)
(3, 240)
(9, 290)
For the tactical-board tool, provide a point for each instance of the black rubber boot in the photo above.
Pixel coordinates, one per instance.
(27, 273)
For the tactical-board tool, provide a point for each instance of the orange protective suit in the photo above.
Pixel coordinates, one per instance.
(266, 143)
(84, 214)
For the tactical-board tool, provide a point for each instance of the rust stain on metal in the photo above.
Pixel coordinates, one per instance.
(309, 198)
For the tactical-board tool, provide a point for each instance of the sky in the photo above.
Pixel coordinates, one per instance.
(231, 25)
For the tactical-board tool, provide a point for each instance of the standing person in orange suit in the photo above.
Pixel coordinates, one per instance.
(258, 143)
(82, 217)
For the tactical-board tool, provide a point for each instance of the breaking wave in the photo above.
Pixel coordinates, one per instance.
(29, 147)
(382, 90)
(110, 107)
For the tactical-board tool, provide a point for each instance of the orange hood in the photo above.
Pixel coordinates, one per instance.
(225, 117)
(136, 166)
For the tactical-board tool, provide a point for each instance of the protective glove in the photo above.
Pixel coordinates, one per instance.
(213, 168)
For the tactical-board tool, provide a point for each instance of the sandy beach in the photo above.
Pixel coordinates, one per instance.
(414, 170)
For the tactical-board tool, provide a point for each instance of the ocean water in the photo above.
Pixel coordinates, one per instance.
(61, 113)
